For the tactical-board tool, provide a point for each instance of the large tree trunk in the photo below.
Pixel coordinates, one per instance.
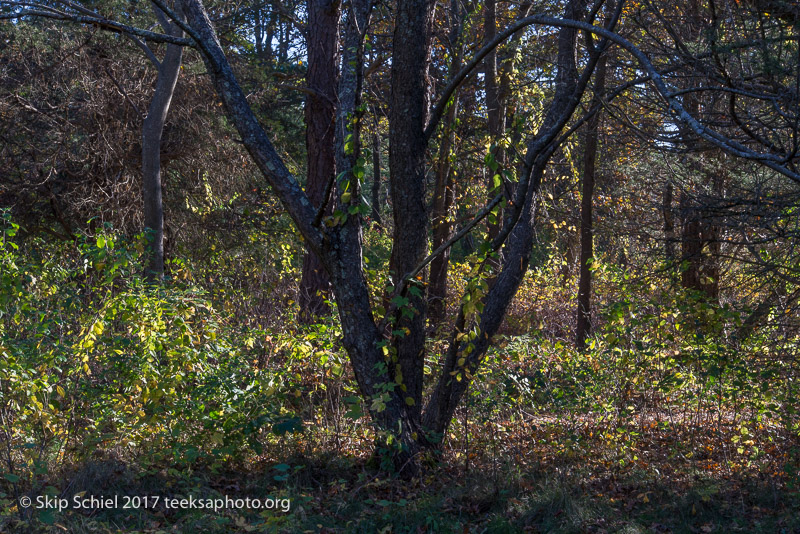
(390, 375)
(408, 117)
(584, 320)
(320, 118)
(152, 129)
(381, 380)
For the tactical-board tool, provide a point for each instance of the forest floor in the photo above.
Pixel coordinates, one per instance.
(538, 474)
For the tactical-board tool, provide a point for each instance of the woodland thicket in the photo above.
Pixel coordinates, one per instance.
(466, 266)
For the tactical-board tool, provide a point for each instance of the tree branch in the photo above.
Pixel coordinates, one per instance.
(100, 22)
(730, 146)
(255, 140)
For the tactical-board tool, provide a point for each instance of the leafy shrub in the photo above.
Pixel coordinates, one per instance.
(93, 358)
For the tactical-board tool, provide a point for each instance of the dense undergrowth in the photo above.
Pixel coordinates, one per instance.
(667, 423)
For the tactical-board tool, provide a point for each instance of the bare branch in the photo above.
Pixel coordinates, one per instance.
(253, 135)
(773, 161)
(99, 22)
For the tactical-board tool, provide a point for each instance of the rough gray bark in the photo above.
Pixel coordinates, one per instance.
(408, 116)
(152, 130)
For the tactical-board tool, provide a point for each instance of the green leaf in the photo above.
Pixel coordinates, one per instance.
(355, 413)
(47, 516)
(400, 301)
(290, 425)
(378, 405)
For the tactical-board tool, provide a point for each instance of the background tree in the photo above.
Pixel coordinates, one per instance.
(320, 116)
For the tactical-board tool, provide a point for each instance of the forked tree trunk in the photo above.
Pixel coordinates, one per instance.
(389, 369)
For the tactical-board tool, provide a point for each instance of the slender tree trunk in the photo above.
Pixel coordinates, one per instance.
(466, 353)
(258, 30)
(152, 130)
(669, 222)
(584, 323)
(691, 244)
(283, 40)
(320, 118)
(443, 200)
(495, 114)
(699, 269)
(376, 171)
(270, 34)
(444, 189)
(712, 234)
